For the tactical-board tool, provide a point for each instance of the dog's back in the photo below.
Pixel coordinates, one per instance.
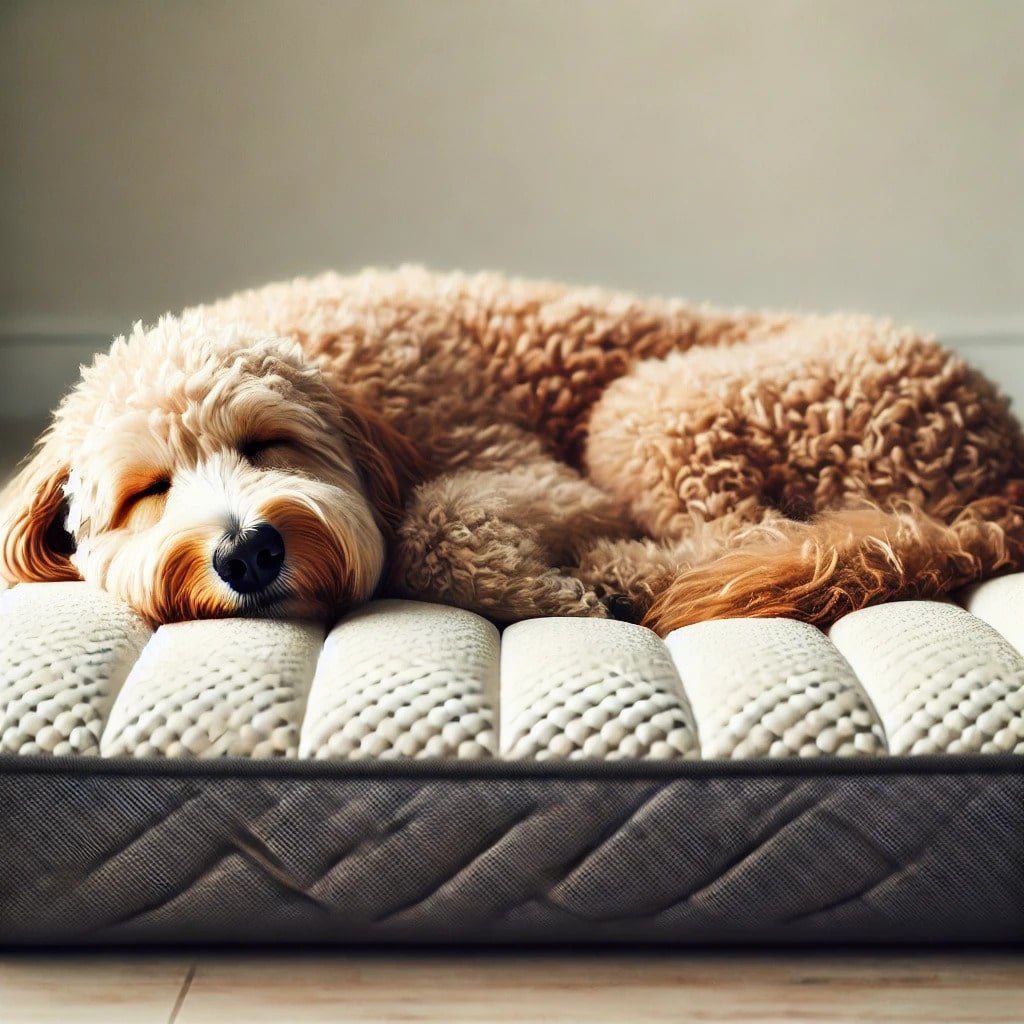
(481, 345)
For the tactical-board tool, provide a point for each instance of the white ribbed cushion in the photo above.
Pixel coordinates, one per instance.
(65, 650)
(591, 688)
(1000, 603)
(217, 687)
(772, 688)
(405, 679)
(940, 678)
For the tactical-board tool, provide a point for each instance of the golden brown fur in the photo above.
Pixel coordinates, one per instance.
(525, 449)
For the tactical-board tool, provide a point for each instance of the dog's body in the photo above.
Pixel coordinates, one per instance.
(518, 449)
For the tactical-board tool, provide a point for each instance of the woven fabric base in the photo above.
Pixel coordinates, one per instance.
(96, 851)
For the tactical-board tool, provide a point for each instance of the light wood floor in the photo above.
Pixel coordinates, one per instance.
(296, 988)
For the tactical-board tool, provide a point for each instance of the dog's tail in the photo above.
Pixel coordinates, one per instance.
(818, 571)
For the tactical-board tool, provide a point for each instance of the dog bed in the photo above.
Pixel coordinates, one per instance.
(413, 775)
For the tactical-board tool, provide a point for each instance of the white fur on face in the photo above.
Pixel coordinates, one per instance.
(173, 420)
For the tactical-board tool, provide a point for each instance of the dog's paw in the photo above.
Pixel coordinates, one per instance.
(562, 594)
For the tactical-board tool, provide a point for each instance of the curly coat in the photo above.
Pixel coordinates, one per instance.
(534, 449)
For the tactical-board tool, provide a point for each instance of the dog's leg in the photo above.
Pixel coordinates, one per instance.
(803, 420)
(679, 453)
(497, 541)
(845, 560)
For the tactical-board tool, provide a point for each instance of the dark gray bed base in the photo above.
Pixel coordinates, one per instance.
(894, 851)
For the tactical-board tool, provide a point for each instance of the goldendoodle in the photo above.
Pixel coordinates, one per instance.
(518, 449)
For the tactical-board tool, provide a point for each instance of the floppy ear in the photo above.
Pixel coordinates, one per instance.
(387, 459)
(34, 544)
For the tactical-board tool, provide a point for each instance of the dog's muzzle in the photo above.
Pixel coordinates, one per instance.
(250, 561)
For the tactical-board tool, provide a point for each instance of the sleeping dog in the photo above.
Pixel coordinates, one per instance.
(518, 449)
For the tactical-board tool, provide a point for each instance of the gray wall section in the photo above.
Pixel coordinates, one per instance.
(813, 154)
(793, 153)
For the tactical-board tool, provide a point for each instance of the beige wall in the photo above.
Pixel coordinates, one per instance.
(815, 153)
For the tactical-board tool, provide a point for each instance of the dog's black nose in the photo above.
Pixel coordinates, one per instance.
(250, 561)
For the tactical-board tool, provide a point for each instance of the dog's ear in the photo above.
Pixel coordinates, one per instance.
(388, 461)
(34, 543)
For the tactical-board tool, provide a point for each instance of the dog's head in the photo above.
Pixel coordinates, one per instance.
(198, 470)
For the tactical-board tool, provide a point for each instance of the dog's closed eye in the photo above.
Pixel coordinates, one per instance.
(140, 500)
(157, 487)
